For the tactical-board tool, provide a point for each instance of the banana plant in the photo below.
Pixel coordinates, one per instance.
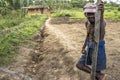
(3, 3)
(24, 3)
(3, 7)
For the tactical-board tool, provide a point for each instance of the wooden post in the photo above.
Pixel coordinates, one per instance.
(96, 42)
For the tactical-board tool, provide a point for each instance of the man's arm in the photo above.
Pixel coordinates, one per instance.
(102, 30)
(102, 21)
(84, 45)
(101, 8)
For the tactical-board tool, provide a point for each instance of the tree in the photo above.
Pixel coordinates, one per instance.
(91, 0)
(113, 4)
(78, 3)
(17, 4)
(7, 5)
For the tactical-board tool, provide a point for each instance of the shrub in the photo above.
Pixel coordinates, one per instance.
(4, 11)
(118, 8)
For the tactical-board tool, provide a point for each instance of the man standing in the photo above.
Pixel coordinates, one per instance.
(86, 59)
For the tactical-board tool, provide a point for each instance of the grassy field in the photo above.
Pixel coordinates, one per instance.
(110, 13)
(13, 38)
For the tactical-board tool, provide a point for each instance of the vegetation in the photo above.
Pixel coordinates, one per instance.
(75, 13)
(7, 5)
(78, 13)
(119, 8)
(114, 14)
(12, 40)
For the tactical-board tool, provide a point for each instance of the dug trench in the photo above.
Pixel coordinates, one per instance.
(58, 49)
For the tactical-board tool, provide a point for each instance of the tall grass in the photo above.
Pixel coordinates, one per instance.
(74, 13)
(12, 40)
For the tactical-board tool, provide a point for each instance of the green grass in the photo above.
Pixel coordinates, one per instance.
(10, 20)
(12, 40)
(114, 14)
(110, 13)
(75, 13)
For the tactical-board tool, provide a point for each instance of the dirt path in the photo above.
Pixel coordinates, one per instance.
(59, 48)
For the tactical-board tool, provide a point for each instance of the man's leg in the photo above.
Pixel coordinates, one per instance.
(99, 75)
(101, 61)
(83, 68)
(81, 65)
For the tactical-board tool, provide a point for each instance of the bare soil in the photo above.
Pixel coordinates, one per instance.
(57, 51)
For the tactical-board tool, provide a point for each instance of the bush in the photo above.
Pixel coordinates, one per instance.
(118, 8)
(4, 11)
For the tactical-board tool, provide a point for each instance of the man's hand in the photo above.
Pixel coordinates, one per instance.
(83, 51)
(101, 6)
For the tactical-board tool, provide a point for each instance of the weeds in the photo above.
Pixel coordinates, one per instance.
(9, 42)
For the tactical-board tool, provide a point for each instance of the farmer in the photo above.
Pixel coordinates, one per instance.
(86, 59)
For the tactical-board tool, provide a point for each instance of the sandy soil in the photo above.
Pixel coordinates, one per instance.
(59, 49)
